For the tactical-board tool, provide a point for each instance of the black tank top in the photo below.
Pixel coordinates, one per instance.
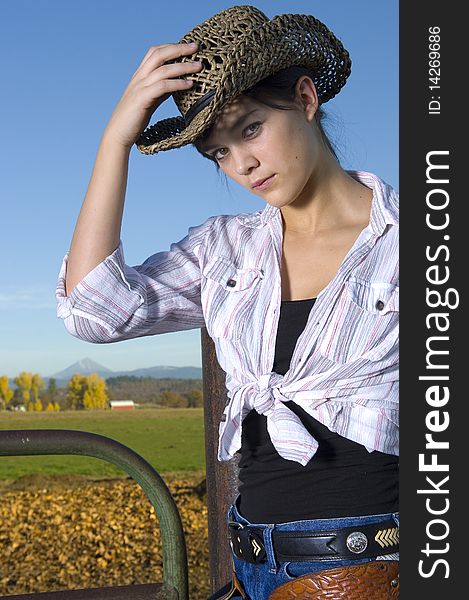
(342, 478)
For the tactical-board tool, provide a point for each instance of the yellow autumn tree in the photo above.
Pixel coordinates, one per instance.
(96, 395)
(6, 394)
(37, 385)
(76, 388)
(87, 392)
(88, 400)
(24, 382)
(37, 405)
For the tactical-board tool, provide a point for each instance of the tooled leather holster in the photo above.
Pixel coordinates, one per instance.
(377, 580)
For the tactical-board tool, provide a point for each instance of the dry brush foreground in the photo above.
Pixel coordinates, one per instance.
(94, 534)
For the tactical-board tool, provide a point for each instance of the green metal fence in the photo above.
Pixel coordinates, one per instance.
(175, 572)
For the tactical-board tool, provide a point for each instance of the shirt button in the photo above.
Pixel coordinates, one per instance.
(380, 305)
(231, 282)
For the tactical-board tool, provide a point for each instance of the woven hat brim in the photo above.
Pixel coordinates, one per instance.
(173, 133)
(176, 134)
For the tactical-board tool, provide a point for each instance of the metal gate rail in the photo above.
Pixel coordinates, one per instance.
(27, 442)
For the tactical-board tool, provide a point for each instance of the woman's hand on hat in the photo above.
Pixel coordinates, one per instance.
(152, 83)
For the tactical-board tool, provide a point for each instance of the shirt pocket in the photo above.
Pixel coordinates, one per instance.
(228, 295)
(363, 324)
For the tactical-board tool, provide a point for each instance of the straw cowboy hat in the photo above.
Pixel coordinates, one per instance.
(238, 48)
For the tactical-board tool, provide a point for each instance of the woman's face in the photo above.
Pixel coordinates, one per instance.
(253, 143)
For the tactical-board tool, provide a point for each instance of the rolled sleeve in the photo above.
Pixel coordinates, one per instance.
(115, 301)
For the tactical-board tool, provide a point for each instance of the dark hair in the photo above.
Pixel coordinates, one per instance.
(277, 91)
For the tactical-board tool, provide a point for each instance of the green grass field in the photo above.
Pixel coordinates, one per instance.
(172, 440)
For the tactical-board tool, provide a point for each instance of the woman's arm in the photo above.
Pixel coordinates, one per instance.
(97, 232)
(116, 302)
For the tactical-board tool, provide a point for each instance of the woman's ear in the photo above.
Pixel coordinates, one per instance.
(306, 97)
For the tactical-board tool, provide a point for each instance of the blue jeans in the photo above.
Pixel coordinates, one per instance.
(259, 580)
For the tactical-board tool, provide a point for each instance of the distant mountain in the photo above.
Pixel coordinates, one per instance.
(163, 372)
(86, 366)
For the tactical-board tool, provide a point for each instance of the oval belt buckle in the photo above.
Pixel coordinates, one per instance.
(357, 542)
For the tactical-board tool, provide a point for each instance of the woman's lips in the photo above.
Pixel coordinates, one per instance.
(265, 183)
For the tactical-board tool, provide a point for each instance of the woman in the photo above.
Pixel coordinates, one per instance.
(300, 298)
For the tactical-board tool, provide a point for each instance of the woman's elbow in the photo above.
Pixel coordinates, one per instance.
(89, 331)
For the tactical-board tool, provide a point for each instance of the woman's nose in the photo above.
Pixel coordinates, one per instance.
(245, 162)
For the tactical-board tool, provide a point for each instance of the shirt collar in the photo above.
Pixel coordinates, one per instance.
(384, 207)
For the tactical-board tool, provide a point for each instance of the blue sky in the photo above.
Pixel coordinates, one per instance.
(64, 67)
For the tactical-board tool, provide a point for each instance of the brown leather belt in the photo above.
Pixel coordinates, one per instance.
(377, 580)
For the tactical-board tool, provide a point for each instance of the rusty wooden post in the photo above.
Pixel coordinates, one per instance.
(222, 478)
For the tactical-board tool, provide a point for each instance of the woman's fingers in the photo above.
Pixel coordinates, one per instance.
(158, 55)
(153, 95)
(172, 71)
(151, 51)
(163, 81)
(153, 82)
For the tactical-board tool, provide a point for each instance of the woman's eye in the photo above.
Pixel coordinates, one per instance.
(216, 154)
(249, 131)
(252, 128)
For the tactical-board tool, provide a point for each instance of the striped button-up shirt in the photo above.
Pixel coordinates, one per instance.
(225, 276)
